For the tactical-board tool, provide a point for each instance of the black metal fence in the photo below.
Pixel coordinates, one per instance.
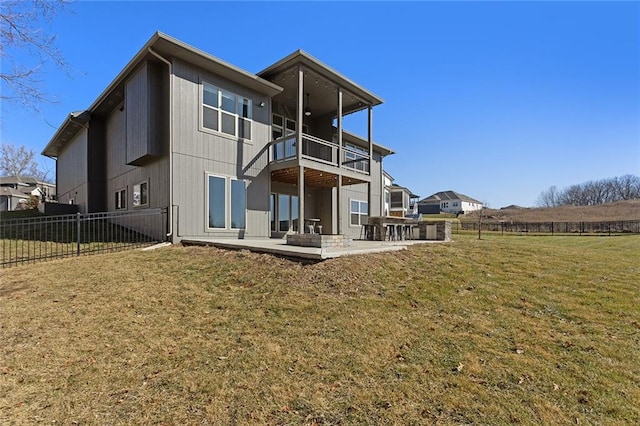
(48, 237)
(560, 228)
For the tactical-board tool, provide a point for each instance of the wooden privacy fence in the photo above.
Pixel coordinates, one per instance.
(48, 237)
(560, 228)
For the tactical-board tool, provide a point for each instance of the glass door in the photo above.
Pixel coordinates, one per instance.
(284, 214)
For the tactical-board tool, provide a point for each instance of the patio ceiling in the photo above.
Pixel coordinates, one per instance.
(312, 178)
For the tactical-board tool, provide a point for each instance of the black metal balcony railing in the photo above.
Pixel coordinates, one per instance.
(320, 150)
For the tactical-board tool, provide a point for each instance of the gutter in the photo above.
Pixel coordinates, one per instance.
(170, 210)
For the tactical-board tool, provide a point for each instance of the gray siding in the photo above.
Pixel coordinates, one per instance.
(72, 172)
(144, 111)
(121, 175)
(198, 152)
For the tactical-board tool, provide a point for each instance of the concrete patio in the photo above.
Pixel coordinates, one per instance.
(279, 247)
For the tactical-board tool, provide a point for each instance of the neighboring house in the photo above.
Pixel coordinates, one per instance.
(15, 190)
(232, 153)
(398, 200)
(448, 202)
(402, 200)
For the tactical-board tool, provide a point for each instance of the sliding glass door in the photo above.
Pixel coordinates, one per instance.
(284, 212)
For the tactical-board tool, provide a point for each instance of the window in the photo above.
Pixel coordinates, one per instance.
(397, 201)
(226, 203)
(277, 126)
(225, 112)
(141, 194)
(121, 199)
(238, 204)
(358, 211)
(356, 158)
(280, 127)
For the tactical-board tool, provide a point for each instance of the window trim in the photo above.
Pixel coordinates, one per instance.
(238, 101)
(133, 194)
(227, 202)
(359, 212)
(120, 202)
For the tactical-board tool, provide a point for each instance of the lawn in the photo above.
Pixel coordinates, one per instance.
(501, 330)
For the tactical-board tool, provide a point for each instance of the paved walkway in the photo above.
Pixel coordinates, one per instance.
(279, 247)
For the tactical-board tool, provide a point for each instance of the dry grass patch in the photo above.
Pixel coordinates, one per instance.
(618, 211)
(518, 329)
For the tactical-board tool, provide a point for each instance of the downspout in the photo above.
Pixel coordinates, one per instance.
(170, 210)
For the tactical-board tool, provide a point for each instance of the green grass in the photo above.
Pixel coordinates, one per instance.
(535, 330)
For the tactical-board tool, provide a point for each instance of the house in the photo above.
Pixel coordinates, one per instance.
(229, 152)
(15, 190)
(448, 202)
(399, 201)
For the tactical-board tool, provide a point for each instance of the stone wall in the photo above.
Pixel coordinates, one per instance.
(443, 230)
(318, 240)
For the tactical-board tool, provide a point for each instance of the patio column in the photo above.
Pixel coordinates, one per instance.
(299, 112)
(370, 139)
(301, 200)
(339, 140)
(382, 188)
(339, 120)
(339, 204)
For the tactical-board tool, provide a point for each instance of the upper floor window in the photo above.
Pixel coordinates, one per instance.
(356, 158)
(225, 112)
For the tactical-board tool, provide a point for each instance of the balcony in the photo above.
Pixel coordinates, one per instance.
(322, 152)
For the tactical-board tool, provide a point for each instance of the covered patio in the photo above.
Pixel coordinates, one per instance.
(311, 157)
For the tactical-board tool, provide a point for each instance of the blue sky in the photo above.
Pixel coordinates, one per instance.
(496, 100)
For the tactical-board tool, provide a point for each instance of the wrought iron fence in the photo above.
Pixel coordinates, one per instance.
(571, 228)
(34, 239)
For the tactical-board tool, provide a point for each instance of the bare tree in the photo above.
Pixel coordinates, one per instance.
(548, 198)
(20, 161)
(22, 28)
(593, 192)
(627, 187)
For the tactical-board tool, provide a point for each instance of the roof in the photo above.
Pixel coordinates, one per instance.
(362, 142)
(168, 47)
(325, 72)
(447, 196)
(22, 180)
(5, 190)
(397, 187)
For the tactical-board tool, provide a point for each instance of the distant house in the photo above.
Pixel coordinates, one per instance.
(448, 202)
(398, 200)
(15, 190)
(227, 152)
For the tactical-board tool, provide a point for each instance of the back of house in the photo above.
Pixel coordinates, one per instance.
(226, 152)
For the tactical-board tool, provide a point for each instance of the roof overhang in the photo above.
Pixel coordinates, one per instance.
(363, 143)
(319, 76)
(67, 131)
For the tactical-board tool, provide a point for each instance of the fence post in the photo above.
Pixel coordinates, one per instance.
(551, 228)
(78, 234)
